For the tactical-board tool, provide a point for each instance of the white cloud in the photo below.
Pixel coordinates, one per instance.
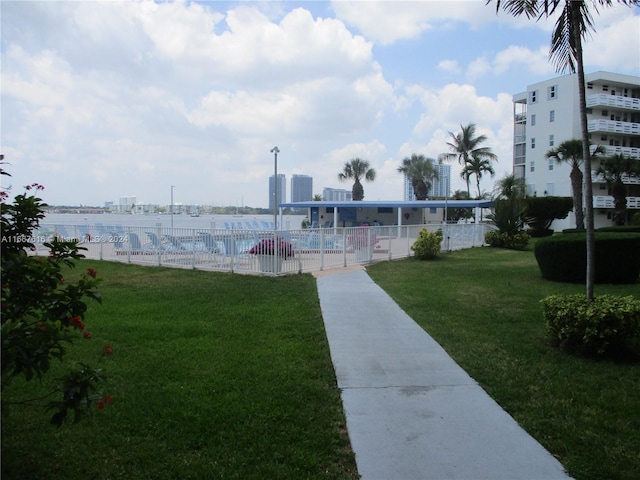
(450, 66)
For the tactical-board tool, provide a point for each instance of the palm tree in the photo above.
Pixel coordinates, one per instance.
(477, 166)
(317, 197)
(465, 145)
(570, 151)
(510, 187)
(422, 172)
(613, 169)
(357, 169)
(572, 26)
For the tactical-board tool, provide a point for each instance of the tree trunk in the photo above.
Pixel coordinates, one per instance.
(588, 190)
(357, 192)
(576, 186)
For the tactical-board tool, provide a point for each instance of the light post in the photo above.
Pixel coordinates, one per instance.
(275, 152)
(171, 207)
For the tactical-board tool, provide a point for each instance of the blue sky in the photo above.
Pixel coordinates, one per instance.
(108, 99)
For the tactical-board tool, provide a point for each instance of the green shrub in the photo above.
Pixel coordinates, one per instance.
(515, 241)
(606, 325)
(563, 258)
(621, 229)
(540, 212)
(427, 245)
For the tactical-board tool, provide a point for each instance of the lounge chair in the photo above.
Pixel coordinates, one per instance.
(156, 243)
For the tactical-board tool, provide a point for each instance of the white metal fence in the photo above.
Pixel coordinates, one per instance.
(229, 250)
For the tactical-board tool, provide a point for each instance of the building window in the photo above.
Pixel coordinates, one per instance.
(533, 143)
(603, 138)
(551, 140)
(625, 92)
(549, 190)
(532, 166)
(552, 116)
(551, 164)
(552, 92)
(533, 96)
(605, 88)
(533, 119)
(605, 113)
(590, 86)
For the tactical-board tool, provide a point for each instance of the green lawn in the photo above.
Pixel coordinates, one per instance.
(218, 375)
(482, 305)
(214, 375)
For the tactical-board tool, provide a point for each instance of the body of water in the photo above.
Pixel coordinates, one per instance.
(261, 222)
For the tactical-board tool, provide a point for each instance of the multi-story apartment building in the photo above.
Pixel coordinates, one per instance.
(301, 188)
(548, 113)
(440, 187)
(282, 190)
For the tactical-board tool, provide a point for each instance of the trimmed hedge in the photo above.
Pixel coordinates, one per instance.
(563, 258)
(607, 325)
(621, 229)
(516, 241)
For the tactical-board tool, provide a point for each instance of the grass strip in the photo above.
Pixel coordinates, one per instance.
(482, 305)
(214, 375)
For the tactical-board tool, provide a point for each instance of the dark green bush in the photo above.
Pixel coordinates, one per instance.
(621, 229)
(427, 245)
(563, 258)
(606, 325)
(516, 241)
(540, 212)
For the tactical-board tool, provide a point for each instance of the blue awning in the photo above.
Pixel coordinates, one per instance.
(392, 204)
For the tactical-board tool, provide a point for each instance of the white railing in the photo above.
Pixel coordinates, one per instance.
(613, 101)
(229, 250)
(606, 201)
(612, 126)
(610, 150)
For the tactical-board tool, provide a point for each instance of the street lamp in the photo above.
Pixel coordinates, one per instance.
(171, 208)
(275, 152)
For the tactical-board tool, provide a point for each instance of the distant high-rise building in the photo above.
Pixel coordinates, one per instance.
(301, 188)
(439, 186)
(336, 194)
(282, 190)
(126, 204)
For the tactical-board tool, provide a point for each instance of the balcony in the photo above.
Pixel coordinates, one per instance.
(631, 152)
(595, 178)
(612, 126)
(607, 202)
(613, 101)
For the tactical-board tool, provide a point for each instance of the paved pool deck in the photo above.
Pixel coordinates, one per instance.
(411, 411)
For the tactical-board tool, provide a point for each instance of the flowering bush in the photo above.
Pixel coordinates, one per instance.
(267, 246)
(362, 237)
(42, 312)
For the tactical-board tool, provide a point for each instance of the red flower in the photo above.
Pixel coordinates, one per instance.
(108, 399)
(76, 322)
(92, 272)
(86, 334)
(107, 349)
(100, 405)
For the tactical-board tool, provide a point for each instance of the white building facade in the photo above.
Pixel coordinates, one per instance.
(548, 113)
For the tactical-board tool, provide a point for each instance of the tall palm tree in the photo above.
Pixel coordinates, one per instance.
(573, 24)
(570, 151)
(357, 169)
(613, 169)
(477, 166)
(422, 172)
(466, 145)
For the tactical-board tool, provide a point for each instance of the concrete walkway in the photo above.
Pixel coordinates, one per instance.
(412, 412)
